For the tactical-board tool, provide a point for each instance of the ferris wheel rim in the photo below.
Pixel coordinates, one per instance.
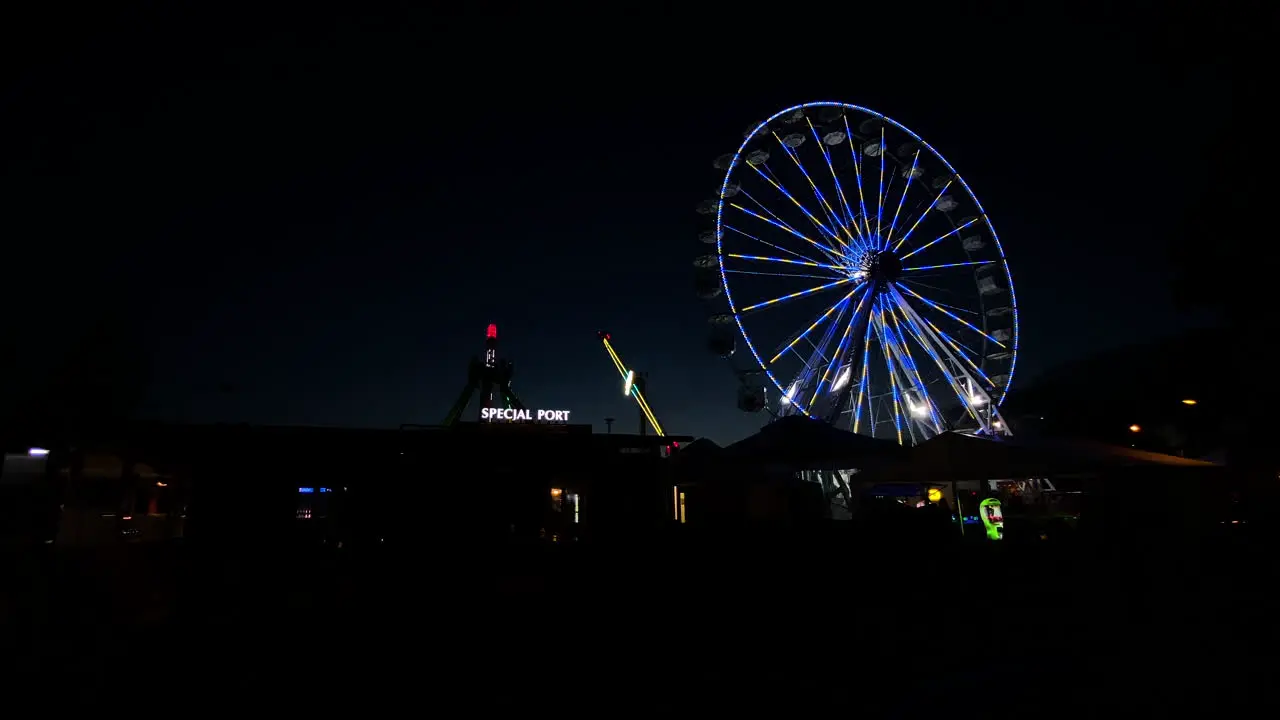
(737, 161)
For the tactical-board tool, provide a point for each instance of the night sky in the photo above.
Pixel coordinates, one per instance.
(311, 219)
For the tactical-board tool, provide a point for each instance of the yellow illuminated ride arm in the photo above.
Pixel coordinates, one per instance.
(629, 386)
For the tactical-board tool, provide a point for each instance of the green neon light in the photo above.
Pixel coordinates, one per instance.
(992, 518)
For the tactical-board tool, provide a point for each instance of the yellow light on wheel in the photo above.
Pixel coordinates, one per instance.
(935, 494)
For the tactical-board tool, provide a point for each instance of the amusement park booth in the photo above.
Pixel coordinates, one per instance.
(1042, 480)
(265, 484)
(794, 470)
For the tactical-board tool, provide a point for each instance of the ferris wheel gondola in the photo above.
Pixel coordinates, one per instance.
(863, 275)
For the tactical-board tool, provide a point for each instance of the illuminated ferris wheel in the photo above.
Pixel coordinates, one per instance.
(863, 275)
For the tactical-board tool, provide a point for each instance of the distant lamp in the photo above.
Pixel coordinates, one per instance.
(1188, 401)
(934, 495)
(556, 492)
(1135, 428)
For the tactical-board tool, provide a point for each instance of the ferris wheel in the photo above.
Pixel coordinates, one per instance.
(863, 276)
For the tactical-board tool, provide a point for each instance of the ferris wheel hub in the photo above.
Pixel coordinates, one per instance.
(882, 268)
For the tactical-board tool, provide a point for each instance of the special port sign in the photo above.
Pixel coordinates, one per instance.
(523, 415)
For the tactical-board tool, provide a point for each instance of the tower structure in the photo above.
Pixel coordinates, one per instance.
(490, 376)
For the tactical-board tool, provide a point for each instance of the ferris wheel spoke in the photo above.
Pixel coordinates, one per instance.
(832, 216)
(784, 261)
(871, 409)
(968, 400)
(894, 400)
(857, 170)
(779, 248)
(805, 333)
(787, 194)
(914, 281)
(806, 276)
(828, 217)
(794, 295)
(862, 383)
(962, 351)
(844, 203)
(831, 253)
(976, 401)
(923, 215)
(940, 238)
(923, 406)
(921, 268)
(837, 360)
(816, 359)
(972, 366)
(880, 186)
(948, 313)
(821, 346)
(795, 393)
(903, 198)
(907, 360)
(893, 380)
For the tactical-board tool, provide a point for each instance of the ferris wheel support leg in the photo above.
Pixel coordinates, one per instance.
(901, 356)
(989, 419)
(913, 324)
(857, 328)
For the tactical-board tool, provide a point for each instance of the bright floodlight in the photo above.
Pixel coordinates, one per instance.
(840, 381)
(37, 452)
(628, 382)
(786, 397)
(920, 410)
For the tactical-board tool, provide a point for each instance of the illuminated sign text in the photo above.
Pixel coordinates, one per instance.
(523, 415)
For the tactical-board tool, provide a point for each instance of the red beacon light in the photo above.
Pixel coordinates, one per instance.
(491, 332)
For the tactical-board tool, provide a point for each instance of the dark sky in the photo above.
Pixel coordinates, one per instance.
(312, 218)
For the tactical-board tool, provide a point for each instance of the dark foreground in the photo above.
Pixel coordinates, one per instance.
(796, 621)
